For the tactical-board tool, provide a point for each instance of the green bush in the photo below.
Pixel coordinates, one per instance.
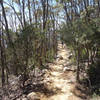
(94, 76)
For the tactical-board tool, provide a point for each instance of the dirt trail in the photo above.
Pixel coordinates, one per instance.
(60, 80)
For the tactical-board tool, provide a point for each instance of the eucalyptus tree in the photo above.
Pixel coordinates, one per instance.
(2, 56)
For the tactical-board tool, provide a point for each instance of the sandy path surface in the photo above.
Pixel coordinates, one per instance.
(60, 80)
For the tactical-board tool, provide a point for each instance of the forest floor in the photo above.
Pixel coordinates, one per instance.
(58, 82)
(61, 79)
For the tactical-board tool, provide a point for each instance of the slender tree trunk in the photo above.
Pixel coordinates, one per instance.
(44, 13)
(98, 7)
(23, 2)
(2, 61)
(78, 68)
(29, 9)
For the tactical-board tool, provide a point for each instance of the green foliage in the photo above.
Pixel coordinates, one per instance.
(94, 76)
(83, 35)
(82, 32)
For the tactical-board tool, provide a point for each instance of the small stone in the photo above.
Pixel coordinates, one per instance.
(33, 96)
(11, 95)
(61, 58)
(66, 69)
(24, 96)
(24, 99)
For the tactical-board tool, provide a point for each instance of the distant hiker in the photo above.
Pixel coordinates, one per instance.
(62, 44)
(62, 40)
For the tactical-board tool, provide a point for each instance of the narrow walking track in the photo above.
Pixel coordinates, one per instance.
(60, 79)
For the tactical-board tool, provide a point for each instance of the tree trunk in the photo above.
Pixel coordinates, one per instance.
(29, 9)
(23, 2)
(2, 62)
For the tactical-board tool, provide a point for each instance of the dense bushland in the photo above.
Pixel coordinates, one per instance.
(30, 29)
